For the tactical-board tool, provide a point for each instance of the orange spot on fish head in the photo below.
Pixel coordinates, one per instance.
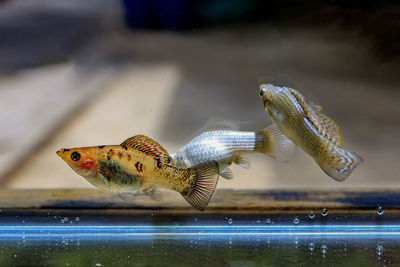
(88, 163)
(82, 160)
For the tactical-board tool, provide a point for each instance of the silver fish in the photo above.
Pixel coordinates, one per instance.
(223, 142)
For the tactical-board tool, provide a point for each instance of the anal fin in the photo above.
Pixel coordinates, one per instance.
(241, 161)
(129, 197)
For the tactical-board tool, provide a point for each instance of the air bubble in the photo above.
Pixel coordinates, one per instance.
(379, 250)
(324, 249)
(296, 220)
(380, 211)
(268, 221)
(230, 221)
(324, 212)
(311, 246)
(311, 215)
(77, 219)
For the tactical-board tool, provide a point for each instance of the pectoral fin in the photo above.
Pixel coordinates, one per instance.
(107, 171)
(153, 193)
(226, 173)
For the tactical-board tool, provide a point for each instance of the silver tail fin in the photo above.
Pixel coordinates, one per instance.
(273, 143)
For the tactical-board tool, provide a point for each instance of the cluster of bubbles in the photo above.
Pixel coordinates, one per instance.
(379, 250)
(296, 220)
(324, 248)
(65, 219)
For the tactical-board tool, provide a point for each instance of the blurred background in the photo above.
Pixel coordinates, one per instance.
(80, 73)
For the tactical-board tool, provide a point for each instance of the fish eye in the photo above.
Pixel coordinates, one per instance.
(75, 156)
(262, 91)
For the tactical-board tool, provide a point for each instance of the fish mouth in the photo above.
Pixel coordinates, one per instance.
(60, 152)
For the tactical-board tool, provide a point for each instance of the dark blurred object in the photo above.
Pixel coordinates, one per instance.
(159, 14)
(378, 20)
(35, 33)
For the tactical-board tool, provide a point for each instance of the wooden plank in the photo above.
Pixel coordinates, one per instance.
(239, 200)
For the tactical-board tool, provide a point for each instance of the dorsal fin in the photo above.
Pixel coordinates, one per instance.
(214, 124)
(148, 146)
(325, 126)
(332, 130)
(315, 107)
(301, 99)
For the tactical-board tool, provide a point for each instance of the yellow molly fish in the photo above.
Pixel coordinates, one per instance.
(302, 121)
(141, 164)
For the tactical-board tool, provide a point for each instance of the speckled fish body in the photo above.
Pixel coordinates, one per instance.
(139, 166)
(223, 142)
(303, 122)
(124, 169)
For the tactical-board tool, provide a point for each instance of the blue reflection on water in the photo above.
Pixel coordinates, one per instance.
(104, 231)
